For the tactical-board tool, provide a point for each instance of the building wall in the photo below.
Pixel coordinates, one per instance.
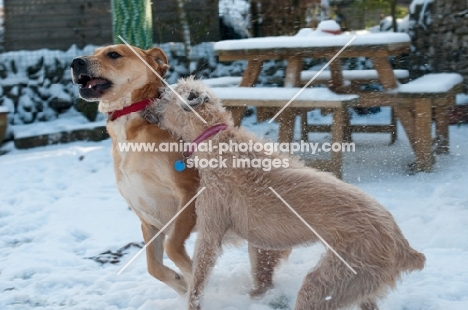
(57, 24)
(202, 17)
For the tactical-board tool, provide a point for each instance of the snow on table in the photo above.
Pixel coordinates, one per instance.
(431, 83)
(3, 109)
(279, 93)
(223, 81)
(313, 39)
(353, 74)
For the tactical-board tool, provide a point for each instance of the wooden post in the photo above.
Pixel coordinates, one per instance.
(393, 122)
(248, 80)
(442, 123)
(337, 85)
(406, 117)
(286, 125)
(423, 137)
(288, 116)
(293, 72)
(386, 75)
(338, 134)
(336, 75)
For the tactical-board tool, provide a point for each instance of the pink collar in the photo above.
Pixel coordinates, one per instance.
(207, 133)
(134, 107)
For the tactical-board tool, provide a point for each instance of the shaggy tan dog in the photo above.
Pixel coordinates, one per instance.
(361, 231)
(123, 85)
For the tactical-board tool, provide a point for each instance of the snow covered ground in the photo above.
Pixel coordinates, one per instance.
(60, 206)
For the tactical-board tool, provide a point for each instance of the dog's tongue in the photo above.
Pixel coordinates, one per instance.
(95, 82)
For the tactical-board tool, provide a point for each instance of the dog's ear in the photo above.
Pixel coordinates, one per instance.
(160, 58)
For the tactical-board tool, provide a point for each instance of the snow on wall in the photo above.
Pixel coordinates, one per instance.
(36, 86)
(235, 14)
(415, 3)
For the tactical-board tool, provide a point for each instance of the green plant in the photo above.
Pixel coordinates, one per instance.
(132, 20)
(88, 109)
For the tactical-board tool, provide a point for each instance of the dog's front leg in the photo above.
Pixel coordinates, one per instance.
(207, 250)
(154, 259)
(175, 243)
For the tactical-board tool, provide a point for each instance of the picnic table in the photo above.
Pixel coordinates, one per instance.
(377, 47)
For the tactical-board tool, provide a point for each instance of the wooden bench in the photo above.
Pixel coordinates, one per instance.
(421, 101)
(310, 98)
(416, 104)
(354, 79)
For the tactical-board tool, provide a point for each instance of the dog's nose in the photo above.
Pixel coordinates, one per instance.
(78, 64)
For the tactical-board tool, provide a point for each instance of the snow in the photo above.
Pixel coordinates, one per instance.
(60, 206)
(328, 25)
(61, 124)
(262, 94)
(432, 83)
(462, 98)
(415, 3)
(235, 14)
(403, 25)
(223, 81)
(68, 121)
(3, 109)
(302, 41)
(352, 74)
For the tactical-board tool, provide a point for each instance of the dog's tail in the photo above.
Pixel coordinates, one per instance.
(412, 260)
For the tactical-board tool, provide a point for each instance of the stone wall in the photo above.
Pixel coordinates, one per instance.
(439, 31)
(450, 37)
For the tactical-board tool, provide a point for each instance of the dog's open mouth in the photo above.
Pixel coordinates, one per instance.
(92, 87)
(97, 84)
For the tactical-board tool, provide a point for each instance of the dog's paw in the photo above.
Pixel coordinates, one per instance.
(259, 291)
(179, 284)
(150, 115)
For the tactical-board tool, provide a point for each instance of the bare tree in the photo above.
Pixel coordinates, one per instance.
(185, 29)
(393, 4)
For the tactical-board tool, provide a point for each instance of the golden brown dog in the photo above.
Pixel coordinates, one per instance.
(123, 84)
(361, 231)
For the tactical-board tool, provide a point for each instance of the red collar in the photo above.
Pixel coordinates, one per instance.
(134, 107)
(208, 133)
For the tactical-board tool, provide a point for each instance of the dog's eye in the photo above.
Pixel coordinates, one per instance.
(113, 55)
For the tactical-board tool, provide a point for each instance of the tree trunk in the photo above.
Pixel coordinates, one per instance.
(393, 4)
(185, 30)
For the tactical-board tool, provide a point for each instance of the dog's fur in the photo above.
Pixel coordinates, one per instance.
(362, 231)
(116, 77)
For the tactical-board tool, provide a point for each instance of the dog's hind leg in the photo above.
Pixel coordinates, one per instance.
(369, 305)
(154, 259)
(263, 264)
(331, 285)
(175, 242)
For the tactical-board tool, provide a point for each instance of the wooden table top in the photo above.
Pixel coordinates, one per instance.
(314, 46)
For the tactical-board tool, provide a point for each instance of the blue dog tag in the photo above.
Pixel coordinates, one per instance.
(179, 165)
